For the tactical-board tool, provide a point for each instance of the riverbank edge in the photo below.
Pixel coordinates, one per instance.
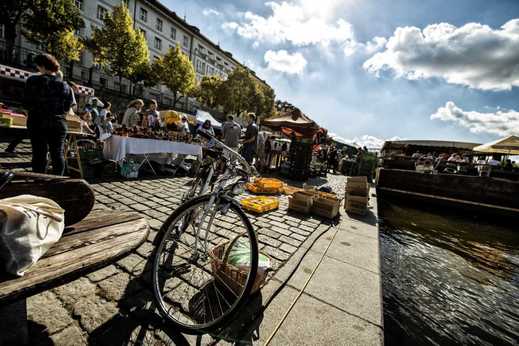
(342, 299)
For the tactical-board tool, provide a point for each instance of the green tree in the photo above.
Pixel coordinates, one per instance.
(177, 73)
(117, 46)
(264, 100)
(209, 91)
(238, 92)
(51, 24)
(145, 75)
(45, 22)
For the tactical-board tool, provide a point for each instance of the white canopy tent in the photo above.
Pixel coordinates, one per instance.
(202, 116)
(507, 146)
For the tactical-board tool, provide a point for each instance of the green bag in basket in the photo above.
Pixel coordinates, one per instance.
(239, 256)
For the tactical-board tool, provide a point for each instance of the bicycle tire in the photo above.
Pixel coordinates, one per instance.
(162, 235)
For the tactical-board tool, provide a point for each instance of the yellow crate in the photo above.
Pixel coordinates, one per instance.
(260, 204)
(269, 183)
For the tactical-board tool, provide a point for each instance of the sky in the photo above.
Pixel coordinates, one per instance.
(374, 70)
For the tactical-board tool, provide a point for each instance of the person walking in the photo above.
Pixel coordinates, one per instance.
(251, 138)
(47, 100)
(131, 117)
(231, 132)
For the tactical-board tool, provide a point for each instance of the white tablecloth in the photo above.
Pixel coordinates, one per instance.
(116, 147)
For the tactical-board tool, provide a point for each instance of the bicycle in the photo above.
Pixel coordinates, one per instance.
(187, 292)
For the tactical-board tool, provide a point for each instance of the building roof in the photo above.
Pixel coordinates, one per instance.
(196, 32)
(430, 143)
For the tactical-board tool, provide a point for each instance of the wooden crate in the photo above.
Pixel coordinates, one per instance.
(327, 208)
(357, 186)
(304, 196)
(299, 206)
(355, 208)
(357, 199)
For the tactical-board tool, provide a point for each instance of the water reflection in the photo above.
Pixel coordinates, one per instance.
(448, 279)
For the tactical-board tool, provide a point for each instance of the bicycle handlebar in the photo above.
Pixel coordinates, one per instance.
(250, 170)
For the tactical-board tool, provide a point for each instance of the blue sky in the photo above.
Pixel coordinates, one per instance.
(371, 70)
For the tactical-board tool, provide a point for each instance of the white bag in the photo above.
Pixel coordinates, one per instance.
(29, 226)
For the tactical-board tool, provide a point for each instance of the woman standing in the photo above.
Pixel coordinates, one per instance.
(131, 117)
(47, 100)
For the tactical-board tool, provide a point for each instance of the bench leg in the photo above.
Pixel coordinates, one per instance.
(13, 324)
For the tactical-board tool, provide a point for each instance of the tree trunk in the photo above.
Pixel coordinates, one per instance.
(175, 99)
(120, 84)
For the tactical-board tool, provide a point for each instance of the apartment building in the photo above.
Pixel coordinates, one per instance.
(163, 29)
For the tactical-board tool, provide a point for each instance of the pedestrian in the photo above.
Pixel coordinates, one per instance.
(153, 115)
(131, 117)
(251, 137)
(231, 132)
(47, 100)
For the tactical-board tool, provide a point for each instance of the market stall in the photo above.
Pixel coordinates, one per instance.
(300, 129)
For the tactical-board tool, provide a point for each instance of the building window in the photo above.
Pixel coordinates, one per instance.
(158, 24)
(186, 41)
(101, 12)
(84, 75)
(79, 4)
(144, 15)
(171, 46)
(143, 32)
(102, 81)
(173, 33)
(158, 43)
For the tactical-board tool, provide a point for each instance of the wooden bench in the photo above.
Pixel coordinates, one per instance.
(102, 238)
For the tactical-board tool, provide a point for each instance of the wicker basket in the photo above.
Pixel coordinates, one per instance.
(231, 276)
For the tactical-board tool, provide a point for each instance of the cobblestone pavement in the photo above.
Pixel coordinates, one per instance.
(95, 308)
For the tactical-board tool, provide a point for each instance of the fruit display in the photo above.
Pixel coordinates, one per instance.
(159, 134)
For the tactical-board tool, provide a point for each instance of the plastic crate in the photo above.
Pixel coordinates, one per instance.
(260, 204)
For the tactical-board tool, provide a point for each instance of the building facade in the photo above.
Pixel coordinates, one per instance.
(163, 29)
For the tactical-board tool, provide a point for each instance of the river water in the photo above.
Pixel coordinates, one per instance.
(448, 279)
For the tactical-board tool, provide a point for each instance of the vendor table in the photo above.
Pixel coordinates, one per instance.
(117, 147)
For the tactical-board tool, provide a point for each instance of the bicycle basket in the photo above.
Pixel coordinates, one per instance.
(232, 276)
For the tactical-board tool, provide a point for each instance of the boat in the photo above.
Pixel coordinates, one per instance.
(496, 193)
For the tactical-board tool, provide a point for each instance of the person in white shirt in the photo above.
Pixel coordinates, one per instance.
(153, 115)
(131, 117)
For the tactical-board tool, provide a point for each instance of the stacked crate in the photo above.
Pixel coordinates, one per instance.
(326, 205)
(357, 195)
(301, 201)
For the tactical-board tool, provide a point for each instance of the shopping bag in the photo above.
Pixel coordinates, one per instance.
(29, 226)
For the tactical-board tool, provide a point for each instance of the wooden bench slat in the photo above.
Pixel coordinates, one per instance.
(100, 219)
(60, 266)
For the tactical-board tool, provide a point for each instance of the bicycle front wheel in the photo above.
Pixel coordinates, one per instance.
(189, 289)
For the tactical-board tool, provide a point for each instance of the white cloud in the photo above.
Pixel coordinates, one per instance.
(283, 61)
(371, 142)
(502, 123)
(473, 55)
(302, 23)
(210, 12)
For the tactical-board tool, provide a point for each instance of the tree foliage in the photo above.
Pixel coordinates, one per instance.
(50, 23)
(176, 72)
(209, 92)
(241, 92)
(117, 46)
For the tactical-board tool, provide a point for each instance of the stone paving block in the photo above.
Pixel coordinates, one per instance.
(279, 224)
(71, 292)
(118, 286)
(299, 237)
(306, 227)
(93, 312)
(300, 231)
(355, 290)
(312, 322)
(268, 240)
(283, 230)
(291, 241)
(139, 207)
(155, 224)
(277, 254)
(288, 248)
(358, 250)
(269, 232)
(134, 264)
(145, 250)
(70, 336)
(46, 309)
(103, 273)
